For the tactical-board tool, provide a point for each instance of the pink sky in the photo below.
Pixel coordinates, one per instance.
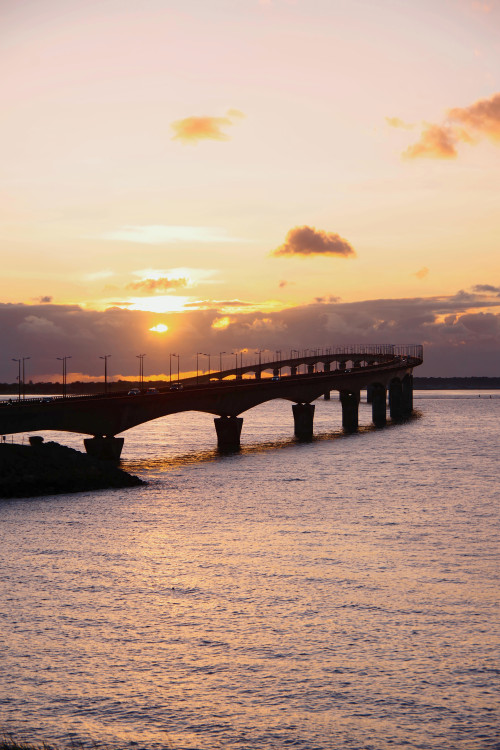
(225, 168)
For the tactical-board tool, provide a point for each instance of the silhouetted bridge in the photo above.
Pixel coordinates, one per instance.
(382, 370)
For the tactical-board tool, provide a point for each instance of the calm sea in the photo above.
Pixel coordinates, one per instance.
(324, 596)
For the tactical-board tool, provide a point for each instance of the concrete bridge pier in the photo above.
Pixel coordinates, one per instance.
(396, 400)
(350, 404)
(369, 394)
(303, 418)
(293, 370)
(228, 431)
(379, 405)
(106, 448)
(326, 395)
(407, 395)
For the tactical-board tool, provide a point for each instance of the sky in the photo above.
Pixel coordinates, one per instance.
(183, 176)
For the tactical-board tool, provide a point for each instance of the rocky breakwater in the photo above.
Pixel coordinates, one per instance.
(49, 468)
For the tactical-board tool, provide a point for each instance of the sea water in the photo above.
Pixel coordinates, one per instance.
(336, 594)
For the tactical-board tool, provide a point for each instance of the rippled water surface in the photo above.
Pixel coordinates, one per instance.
(332, 595)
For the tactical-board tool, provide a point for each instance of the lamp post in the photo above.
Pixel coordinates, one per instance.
(170, 364)
(209, 368)
(24, 379)
(197, 367)
(235, 363)
(18, 376)
(105, 358)
(178, 365)
(220, 360)
(140, 357)
(64, 372)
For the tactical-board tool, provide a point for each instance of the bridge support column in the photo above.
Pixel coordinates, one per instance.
(379, 405)
(293, 370)
(228, 431)
(303, 418)
(407, 396)
(350, 403)
(310, 369)
(369, 394)
(105, 448)
(396, 401)
(326, 396)
(326, 367)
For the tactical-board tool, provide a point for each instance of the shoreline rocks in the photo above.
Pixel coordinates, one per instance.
(51, 468)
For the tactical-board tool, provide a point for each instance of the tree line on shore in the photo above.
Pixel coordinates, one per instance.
(79, 387)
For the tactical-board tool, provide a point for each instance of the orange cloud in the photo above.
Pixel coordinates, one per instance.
(440, 141)
(194, 129)
(310, 241)
(422, 273)
(436, 142)
(483, 116)
(157, 285)
(395, 122)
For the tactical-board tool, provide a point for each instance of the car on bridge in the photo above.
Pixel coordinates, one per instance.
(134, 392)
(176, 387)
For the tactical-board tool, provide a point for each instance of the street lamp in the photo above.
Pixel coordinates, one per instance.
(235, 363)
(24, 379)
(209, 368)
(170, 364)
(178, 359)
(105, 358)
(64, 371)
(140, 357)
(197, 355)
(220, 360)
(19, 375)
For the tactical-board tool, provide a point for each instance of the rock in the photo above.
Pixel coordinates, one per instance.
(50, 468)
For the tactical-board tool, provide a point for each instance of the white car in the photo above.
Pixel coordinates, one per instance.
(134, 392)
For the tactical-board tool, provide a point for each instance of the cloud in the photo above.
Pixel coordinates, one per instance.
(306, 241)
(462, 125)
(33, 324)
(45, 299)
(422, 273)
(436, 142)
(148, 286)
(482, 117)
(460, 333)
(486, 288)
(330, 298)
(194, 129)
(157, 234)
(395, 122)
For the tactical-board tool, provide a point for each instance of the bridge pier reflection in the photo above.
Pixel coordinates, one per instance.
(105, 448)
(407, 395)
(379, 405)
(350, 406)
(228, 431)
(303, 418)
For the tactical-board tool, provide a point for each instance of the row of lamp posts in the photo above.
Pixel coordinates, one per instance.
(21, 367)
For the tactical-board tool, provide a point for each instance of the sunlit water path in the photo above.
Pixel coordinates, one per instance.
(339, 594)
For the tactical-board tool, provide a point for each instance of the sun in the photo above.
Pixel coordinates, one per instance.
(159, 328)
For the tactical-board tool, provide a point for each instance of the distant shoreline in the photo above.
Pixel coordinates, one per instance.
(79, 388)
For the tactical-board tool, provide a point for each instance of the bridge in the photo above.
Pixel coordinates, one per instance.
(386, 372)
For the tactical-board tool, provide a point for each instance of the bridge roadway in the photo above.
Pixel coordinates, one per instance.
(106, 416)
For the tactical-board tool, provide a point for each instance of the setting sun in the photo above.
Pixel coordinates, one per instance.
(159, 328)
